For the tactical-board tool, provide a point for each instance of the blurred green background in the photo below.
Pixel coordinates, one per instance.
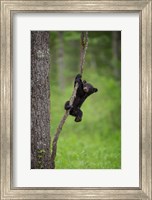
(95, 142)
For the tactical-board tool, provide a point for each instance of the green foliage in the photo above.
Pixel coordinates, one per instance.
(94, 143)
(88, 151)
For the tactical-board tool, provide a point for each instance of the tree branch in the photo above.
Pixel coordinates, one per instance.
(59, 129)
(84, 45)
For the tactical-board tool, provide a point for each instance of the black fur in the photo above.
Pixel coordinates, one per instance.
(84, 90)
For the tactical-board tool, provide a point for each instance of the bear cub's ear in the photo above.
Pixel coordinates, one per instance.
(95, 89)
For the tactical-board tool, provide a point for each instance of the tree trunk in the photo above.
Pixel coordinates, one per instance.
(40, 100)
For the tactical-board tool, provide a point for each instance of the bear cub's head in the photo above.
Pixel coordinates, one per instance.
(88, 88)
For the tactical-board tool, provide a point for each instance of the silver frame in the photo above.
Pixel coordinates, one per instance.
(144, 8)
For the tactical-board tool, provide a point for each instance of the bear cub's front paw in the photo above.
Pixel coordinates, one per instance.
(67, 106)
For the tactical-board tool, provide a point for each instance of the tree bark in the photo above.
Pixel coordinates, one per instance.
(40, 100)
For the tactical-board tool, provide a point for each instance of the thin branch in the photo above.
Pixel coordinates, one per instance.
(59, 129)
(84, 45)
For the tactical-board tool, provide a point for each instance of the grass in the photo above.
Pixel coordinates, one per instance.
(88, 152)
(94, 143)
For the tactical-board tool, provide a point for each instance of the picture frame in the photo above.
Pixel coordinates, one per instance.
(8, 8)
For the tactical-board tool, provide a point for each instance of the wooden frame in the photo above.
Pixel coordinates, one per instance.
(143, 7)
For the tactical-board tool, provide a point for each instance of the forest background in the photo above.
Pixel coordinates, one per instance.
(94, 143)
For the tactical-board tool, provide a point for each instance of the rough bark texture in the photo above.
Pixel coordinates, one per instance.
(40, 100)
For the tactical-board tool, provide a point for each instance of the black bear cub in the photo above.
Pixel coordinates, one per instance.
(84, 90)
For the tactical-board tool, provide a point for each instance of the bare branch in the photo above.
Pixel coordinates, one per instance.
(84, 45)
(59, 129)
